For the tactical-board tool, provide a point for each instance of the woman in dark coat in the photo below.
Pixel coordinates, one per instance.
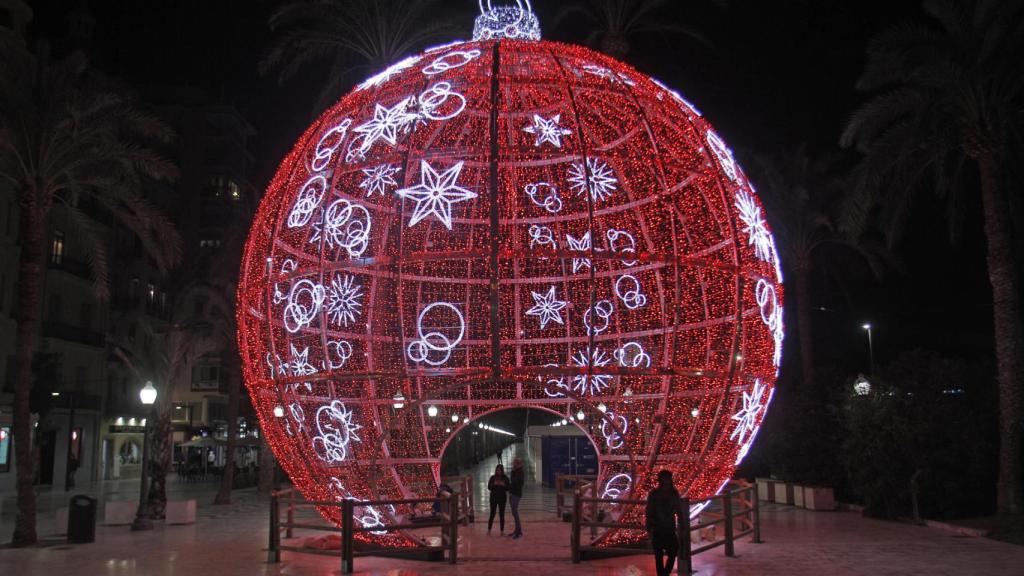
(515, 489)
(498, 487)
(665, 515)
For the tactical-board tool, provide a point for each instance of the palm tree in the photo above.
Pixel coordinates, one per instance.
(947, 111)
(68, 137)
(164, 352)
(348, 36)
(801, 194)
(226, 270)
(616, 23)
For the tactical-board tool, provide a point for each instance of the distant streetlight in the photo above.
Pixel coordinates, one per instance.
(602, 408)
(399, 401)
(142, 519)
(861, 386)
(278, 411)
(580, 415)
(432, 411)
(455, 418)
(871, 349)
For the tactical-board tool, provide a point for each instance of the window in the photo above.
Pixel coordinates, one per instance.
(133, 290)
(85, 315)
(205, 378)
(57, 248)
(163, 299)
(182, 412)
(3, 290)
(221, 187)
(150, 293)
(210, 243)
(5, 449)
(54, 311)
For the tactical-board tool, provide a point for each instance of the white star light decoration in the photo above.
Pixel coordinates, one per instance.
(299, 364)
(386, 125)
(747, 416)
(602, 181)
(547, 307)
(436, 193)
(547, 130)
(579, 245)
(344, 300)
(379, 178)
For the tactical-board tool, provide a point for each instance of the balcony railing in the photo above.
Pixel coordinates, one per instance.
(71, 266)
(73, 334)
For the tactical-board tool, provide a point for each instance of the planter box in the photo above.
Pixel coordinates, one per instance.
(62, 521)
(819, 498)
(766, 489)
(180, 512)
(118, 513)
(783, 493)
(798, 496)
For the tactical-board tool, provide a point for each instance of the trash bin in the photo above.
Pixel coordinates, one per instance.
(82, 519)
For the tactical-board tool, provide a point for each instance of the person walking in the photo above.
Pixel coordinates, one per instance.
(665, 515)
(498, 487)
(515, 490)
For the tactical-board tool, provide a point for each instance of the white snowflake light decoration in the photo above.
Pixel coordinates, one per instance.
(602, 180)
(755, 227)
(593, 384)
(387, 73)
(344, 300)
(379, 178)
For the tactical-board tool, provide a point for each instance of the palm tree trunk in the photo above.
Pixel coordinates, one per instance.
(1009, 336)
(227, 479)
(268, 466)
(160, 461)
(30, 281)
(803, 324)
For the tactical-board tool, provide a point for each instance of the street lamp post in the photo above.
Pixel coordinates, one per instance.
(142, 519)
(871, 349)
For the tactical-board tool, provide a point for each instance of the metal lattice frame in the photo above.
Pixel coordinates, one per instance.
(710, 326)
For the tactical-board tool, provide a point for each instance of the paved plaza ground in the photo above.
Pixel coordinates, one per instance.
(231, 540)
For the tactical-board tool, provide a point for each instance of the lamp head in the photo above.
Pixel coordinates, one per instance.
(148, 393)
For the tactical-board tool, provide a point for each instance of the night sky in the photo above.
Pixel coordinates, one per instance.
(774, 75)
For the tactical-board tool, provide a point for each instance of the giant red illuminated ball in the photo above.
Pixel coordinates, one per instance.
(508, 223)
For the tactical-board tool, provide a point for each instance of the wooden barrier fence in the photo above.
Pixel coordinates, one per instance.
(447, 520)
(736, 510)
